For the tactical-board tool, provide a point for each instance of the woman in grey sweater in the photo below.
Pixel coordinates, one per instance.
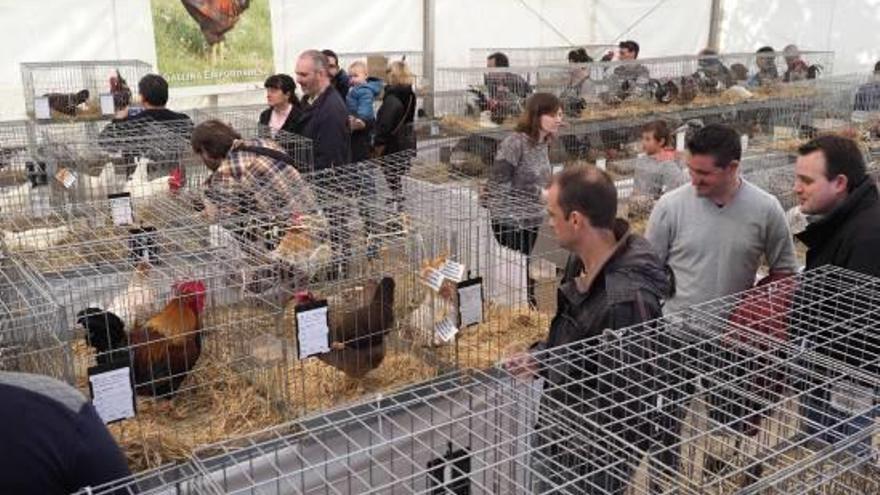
(518, 176)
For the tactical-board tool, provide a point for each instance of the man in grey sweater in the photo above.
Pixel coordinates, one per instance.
(714, 232)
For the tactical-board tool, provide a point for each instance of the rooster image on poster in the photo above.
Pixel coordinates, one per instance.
(216, 18)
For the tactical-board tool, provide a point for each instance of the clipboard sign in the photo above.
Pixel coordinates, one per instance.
(111, 390)
(120, 209)
(312, 328)
(470, 302)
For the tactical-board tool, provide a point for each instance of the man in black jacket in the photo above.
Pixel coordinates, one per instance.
(54, 442)
(324, 118)
(339, 80)
(841, 203)
(612, 280)
(840, 199)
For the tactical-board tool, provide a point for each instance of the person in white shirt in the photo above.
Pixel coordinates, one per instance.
(714, 232)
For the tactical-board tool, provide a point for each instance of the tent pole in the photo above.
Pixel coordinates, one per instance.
(715, 26)
(428, 35)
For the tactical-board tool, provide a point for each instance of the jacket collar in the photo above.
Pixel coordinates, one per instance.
(578, 288)
(863, 196)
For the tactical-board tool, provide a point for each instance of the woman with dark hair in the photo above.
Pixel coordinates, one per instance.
(284, 106)
(518, 176)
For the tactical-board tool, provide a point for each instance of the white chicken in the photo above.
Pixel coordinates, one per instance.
(35, 239)
(15, 198)
(100, 186)
(136, 303)
(139, 185)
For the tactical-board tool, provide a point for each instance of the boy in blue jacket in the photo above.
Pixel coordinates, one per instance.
(362, 93)
(359, 101)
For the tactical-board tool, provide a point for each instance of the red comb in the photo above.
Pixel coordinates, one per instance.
(175, 181)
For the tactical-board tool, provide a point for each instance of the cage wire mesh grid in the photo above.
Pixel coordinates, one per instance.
(473, 97)
(32, 324)
(95, 233)
(207, 353)
(650, 409)
(74, 88)
(517, 289)
(246, 120)
(82, 161)
(530, 56)
(180, 478)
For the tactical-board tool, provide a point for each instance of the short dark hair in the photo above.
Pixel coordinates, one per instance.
(660, 130)
(500, 59)
(214, 138)
(538, 105)
(877, 68)
(718, 141)
(154, 89)
(284, 83)
(589, 191)
(766, 49)
(330, 54)
(579, 56)
(630, 46)
(842, 157)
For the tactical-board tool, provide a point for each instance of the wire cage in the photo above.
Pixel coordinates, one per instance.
(177, 306)
(32, 324)
(621, 89)
(101, 230)
(179, 478)
(641, 410)
(435, 195)
(245, 119)
(74, 89)
(531, 56)
(381, 59)
(23, 181)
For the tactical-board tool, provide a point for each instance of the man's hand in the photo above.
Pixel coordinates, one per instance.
(521, 364)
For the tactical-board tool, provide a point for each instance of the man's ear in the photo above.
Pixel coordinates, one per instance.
(841, 183)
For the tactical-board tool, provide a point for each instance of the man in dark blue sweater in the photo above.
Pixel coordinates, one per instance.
(52, 439)
(324, 119)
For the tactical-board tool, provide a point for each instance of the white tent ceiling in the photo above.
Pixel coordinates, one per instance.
(108, 29)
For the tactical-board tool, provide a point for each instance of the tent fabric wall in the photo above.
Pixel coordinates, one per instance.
(847, 27)
(108, 29)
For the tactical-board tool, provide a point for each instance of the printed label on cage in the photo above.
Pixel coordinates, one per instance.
(452, 270)
(112, 393)
(446, 330)
(602, 163)
(435, 128)
(434, 279)
(120, 209)
(679, 141)
(41, 108)
(107, 106)
(744, 142)
(66, 177)
(312, 329)
(470, 303)
(556, 168)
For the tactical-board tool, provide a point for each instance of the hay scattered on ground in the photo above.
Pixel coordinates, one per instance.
(503, 330)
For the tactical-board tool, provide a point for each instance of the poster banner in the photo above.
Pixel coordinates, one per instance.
(213, 42)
